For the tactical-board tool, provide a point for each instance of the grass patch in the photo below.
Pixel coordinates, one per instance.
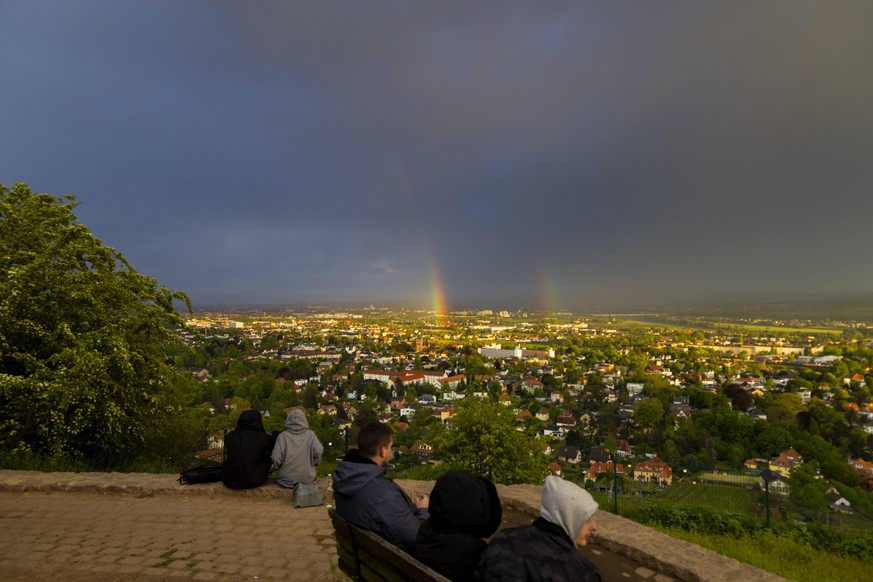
(686, 494)
(26, 461)
(786, 557)
(168, 559)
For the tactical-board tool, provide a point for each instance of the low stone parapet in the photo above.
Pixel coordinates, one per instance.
(643, 545)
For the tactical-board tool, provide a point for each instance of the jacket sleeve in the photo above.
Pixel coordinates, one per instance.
(278, 455)
(400, 518)
(317, 450)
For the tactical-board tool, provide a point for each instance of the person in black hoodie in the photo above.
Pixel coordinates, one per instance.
(463, 510)
(247, 451)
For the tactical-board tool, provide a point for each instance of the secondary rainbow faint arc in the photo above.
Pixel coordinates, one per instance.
(546, 294)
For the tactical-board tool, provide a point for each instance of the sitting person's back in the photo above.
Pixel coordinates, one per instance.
(247, 451)
(546, 550)
(297, 451)
(369, 499)
(463, 510)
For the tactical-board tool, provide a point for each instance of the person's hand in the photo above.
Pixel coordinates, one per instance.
(422, 501)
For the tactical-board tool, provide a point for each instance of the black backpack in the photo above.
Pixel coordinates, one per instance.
(210, 473)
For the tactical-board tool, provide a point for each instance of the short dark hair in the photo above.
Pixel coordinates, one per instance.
(373, 436)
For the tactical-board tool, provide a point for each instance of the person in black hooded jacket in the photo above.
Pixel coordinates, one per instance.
(463, 510)
(247, 451)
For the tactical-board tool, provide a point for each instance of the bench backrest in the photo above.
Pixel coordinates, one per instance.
(364, 555)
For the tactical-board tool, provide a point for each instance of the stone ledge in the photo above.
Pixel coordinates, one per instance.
(139, 484)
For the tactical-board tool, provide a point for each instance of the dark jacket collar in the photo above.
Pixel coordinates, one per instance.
(553, 529)
(355, 456)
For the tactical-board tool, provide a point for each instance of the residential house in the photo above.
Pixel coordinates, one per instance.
(622, 448)
(569, 454)
(566, 421)
(598, 468)
(587, 418)
(523, 415)
(778, 486)
(837, 502)
(861, 466)
(785, 461)
(444, 414)
(452, 382)
(328, 409)
(654, 471)
(531, 384)
(756, 414)
(680, 413)
(422, 449)
(598, 456)
(553, 431)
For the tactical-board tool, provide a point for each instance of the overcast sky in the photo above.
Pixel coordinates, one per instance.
(545, 154)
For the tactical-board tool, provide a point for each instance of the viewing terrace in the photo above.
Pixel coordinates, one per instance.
(99, 527)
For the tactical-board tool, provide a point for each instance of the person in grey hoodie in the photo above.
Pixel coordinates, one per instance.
(369, 499)
(297, 451)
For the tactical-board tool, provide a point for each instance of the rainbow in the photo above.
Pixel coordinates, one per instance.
(547, 299)
(437, 288)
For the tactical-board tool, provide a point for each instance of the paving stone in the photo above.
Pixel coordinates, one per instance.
(120, 525)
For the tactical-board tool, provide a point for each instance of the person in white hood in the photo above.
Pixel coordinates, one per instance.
(297, 451)
(547, 549)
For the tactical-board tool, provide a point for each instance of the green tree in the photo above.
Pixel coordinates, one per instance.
(84, 338)
(310, 396)
(648, 412)
(483, 440)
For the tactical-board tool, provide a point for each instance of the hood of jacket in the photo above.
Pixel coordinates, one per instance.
(296, 422)
(463, 504)
(250, 420)
(354, 472)
(566, 504)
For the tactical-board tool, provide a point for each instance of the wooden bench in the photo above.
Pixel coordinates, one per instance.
(364, 555)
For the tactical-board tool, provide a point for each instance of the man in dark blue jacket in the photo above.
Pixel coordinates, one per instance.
(369, 499)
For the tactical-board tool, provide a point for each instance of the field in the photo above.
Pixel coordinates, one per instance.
(722, 497)
(731, 326)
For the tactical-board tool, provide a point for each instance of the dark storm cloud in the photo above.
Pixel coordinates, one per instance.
(347, 151)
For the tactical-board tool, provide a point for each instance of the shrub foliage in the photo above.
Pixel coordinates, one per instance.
(84, 338)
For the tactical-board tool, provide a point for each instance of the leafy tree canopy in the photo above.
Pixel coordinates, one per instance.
(483, 440)
(84, 338)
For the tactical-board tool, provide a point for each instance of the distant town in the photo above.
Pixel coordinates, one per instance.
(650, 397)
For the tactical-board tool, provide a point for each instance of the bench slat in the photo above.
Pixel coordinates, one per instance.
(364, 555)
